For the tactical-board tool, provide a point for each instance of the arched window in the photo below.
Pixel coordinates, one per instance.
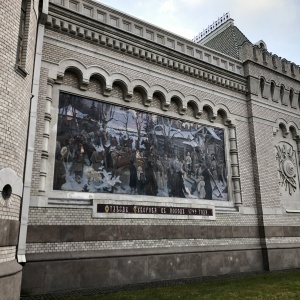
(264, 55)
(291, 97)
(281, 93)
(254, 52)
(262, 86)
(292, 69)
(262, 45)
(283, 65)
(272, 89)
(274, 62)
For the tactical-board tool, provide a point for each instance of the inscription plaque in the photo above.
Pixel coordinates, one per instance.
(153, 209)
(147, 210)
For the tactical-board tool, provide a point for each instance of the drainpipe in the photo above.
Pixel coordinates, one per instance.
(31, 133)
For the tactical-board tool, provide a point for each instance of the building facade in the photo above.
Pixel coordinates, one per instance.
(19, 26)
(149, 157)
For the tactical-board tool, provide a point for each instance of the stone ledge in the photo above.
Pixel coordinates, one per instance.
(85, 233)
(35, 257)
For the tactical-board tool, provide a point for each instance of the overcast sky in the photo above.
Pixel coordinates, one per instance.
(277, 22)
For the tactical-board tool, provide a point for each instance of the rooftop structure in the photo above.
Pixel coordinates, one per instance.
(223, 36)
(222, 20)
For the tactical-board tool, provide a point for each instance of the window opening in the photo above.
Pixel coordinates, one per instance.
(281, 93)
(272, 90)
(262, 86)
(291, 97)
(21, 33)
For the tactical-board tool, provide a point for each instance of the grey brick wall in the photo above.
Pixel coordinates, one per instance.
(15, 98)
(15, 90)
(39, 132)
(15, 95)
(170, 80)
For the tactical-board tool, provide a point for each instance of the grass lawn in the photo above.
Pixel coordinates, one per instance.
(278, 285)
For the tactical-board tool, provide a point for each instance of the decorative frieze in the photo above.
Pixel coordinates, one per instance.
(138, 51)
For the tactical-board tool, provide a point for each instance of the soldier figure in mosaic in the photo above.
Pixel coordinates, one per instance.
(97, 159)
(151, 188)
(188, 164)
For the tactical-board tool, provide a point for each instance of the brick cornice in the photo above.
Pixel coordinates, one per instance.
(104, 35)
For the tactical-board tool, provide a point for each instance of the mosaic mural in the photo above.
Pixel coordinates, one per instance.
(105, 148)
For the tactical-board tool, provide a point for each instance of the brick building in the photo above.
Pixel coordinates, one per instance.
(19, 27)
(149, 157)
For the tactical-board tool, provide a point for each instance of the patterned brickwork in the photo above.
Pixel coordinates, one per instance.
(290, 111)
(268, 75)
(85, 44)
(282, 220)
(173, 106)
(7, 254)
(264, 163)
(137, 97)
(55, 54)
(134, 244)
(15, 90)
(267, 165)
(95, 86)
(156, 102)
(266, 113)
(190, 111)
(245, 163)
(11, 211)
(286, 112)
(205, 115)
(15, 97)
(283, 240)
(71, 79)
(219, 119)
(117, 92)
(83, 216)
